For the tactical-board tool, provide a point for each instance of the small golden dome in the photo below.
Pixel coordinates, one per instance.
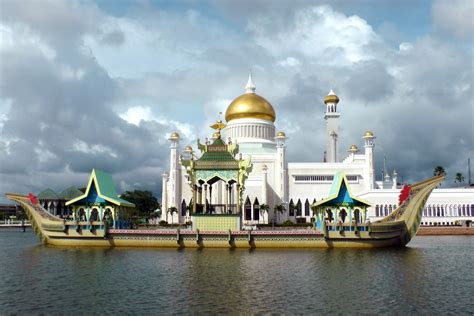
(174, 135)
(353, 149)
(188, 149)
(216, 135)
(331, 98)
(368, 134)
(250, 105)
(281, 134)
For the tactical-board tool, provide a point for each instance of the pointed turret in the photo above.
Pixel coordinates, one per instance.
(250, 87)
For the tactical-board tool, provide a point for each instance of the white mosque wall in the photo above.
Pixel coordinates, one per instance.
(248, 130)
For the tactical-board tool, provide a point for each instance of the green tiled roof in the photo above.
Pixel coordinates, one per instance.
(48, 194)
(105, 189)
(217, 156)
(70, 193)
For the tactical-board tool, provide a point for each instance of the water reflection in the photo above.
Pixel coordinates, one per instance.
(433, 274)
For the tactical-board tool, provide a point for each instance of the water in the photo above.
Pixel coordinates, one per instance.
(434, 275)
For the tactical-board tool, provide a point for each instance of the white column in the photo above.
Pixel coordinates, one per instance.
(264, 185)
(280, 169)
(164, 194)
(369, 169)
(174, 176)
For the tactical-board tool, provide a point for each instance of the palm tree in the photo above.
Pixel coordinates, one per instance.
(171, 210)
(459, 177)
(278, 209)
(439, 171)
(264, 208)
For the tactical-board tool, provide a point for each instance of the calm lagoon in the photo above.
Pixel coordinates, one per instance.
(433, 275)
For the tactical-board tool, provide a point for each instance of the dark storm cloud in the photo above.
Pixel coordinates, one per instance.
(61, 119)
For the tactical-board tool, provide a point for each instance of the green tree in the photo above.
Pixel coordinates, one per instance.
(144, 201)
(439, 171)
(459, 177)
(171, 211)
(278, 209)
(264, 208)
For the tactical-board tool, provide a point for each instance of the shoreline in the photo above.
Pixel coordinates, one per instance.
(445, 231)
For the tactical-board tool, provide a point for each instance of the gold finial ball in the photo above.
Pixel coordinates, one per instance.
(281, 134)
(216, 135)
(331, 98)
(188, 149)
(354, 149)
(174, 136)
(368, 134)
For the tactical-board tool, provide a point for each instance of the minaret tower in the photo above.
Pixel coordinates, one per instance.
(332, 126)
(175, 174)
(281, 169)
(369, 169)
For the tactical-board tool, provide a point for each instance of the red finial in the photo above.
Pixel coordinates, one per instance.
(33, 199)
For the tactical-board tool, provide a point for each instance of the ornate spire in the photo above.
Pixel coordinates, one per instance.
(331, 98)
(250, 87)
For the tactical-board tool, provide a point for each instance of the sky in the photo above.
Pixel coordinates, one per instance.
(102, 84)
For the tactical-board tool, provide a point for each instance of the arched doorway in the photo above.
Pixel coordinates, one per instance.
(94, 215)
(342, 215)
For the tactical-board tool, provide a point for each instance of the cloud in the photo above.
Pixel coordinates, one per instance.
(114, 38)
(83, 88)
(454, 17)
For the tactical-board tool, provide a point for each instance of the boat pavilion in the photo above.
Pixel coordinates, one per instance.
(100, 205)
(340, 210)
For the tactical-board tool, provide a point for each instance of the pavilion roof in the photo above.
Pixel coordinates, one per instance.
(340, 193)
(104, 186)
(48, 194)
(217, 156)
(70, 193)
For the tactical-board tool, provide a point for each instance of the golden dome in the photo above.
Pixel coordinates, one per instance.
(368, 134)
(354, 149)
(188, 149)
(174, 135)
(331, 98)
(281, 134)
(250, 105)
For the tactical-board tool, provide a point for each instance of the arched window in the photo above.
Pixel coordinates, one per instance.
(183, 208)
(292, 208)
(248, 209)
(256, 210)
(377, 210)
(299, 207)
(306, 208)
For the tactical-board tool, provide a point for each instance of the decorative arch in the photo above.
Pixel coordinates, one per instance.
(299, 208)
(184, 207)
(291, 208)
(256, 210)
(306, 208)
(248, 209)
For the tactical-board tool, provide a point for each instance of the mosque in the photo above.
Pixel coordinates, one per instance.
(292, 187)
